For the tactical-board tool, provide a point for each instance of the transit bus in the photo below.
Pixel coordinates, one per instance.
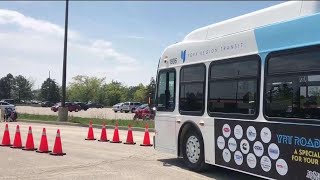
(244, 94)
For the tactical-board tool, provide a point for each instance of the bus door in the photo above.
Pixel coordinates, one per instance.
(165, 121)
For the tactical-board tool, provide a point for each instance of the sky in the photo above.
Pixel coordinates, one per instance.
(119, 41)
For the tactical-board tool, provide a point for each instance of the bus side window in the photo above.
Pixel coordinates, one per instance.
(234, 87)
(166, 90)
(292, 85)
(192, 89)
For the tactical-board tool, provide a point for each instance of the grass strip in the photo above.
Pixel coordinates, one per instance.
(80, 120)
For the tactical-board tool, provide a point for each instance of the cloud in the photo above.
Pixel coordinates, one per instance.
(135, 37)
(37, 47)
(14, 17)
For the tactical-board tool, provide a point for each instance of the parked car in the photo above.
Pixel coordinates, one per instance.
(130, 106)
(47, 104)
(95, 105)
(82, 105)
(138, 112)
(147, 113)
(4, 105)
(71, 107)
(117, 107)
(10, 101)
(10, 115)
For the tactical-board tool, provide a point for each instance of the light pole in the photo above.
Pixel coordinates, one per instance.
(63, 111)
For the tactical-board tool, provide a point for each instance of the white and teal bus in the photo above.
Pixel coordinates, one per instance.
(244, 94)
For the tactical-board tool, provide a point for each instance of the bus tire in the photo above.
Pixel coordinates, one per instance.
(193, 151)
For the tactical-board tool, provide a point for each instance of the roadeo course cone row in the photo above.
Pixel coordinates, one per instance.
(116, 137)
(43, 148)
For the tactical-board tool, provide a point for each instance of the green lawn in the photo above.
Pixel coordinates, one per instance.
(121, 122)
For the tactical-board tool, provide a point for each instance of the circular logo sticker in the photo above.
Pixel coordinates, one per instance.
(273, 151)
(226, 155)
(265, 163)
(220, 142)
(265, 135)
(244, 146)
(258, 148)
(238, 158)
(226, 130)
(232, 144)
(251, 133)
(282, 167)
(251, 160)
(238, 132)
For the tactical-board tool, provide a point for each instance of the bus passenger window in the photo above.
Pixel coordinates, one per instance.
(192, 86)
(233, 87)
(166, 90)
(292, 88)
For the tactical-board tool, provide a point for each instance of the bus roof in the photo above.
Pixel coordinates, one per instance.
(274, 28)
(274, 14)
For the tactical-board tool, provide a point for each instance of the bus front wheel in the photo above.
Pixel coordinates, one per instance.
(193, 151)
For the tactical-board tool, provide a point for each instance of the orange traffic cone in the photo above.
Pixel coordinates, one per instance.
(43, 148)
(57, 149)
(6, 137)
(146, 139)
(90, 133)
(103, 137)
(17, 143)
(116, 138)
(29, 143)
(129, 137)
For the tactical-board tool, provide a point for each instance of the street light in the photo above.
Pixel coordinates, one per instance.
(63, 111)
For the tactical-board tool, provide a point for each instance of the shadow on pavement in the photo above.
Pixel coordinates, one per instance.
(215, 172)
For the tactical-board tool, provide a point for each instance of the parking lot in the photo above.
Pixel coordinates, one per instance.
(95, 160)
(103, 113)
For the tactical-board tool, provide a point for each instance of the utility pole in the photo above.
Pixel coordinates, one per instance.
(48, 95)
(63, 111)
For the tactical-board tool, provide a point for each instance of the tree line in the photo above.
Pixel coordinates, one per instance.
(81, 88)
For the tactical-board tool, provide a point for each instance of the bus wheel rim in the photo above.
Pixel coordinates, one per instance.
(193, 149)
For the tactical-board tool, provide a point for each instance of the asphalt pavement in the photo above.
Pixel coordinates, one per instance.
(95, 160)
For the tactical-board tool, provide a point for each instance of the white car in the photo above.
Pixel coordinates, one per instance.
(117, 107)
(4, 105)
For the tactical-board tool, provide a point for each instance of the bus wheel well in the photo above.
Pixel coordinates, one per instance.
(183, 130)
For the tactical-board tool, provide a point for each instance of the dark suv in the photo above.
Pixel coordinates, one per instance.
(47, 104)
(95, 105)
(82, 105)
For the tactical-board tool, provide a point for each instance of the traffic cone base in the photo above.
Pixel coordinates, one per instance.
(42, 151)
(16, 147)
(115, 141)
(57, 154)
(103, 140)
(6, 145)
(146, 144)
(90, 139)
(25, 149)
(130, 143)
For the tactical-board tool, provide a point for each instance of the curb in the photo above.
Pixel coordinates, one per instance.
(83, 125)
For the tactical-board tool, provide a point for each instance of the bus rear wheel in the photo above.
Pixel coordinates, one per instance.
(193, 151)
